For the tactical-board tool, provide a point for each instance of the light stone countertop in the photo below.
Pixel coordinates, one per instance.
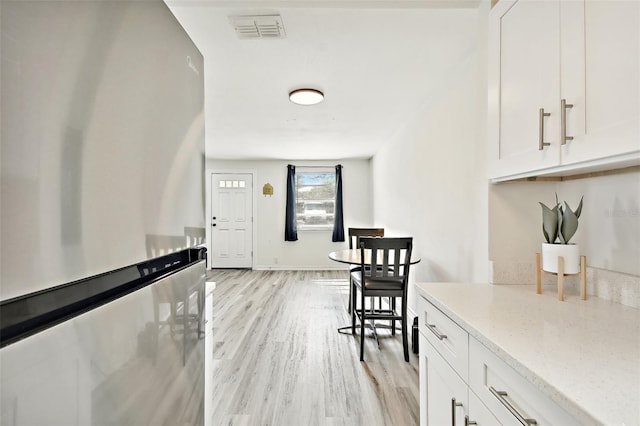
(584, 355)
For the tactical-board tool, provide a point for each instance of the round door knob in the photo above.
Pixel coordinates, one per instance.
(213, 224)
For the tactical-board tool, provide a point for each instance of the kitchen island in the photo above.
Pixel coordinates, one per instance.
(580, 356)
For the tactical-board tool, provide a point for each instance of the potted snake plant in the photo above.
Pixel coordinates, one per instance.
(559, 224)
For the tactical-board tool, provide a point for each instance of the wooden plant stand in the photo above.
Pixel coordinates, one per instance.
(561, 275)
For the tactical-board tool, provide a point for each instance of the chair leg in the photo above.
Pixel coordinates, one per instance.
(405, 339)
(352, 302)
(362, 320)
(393, 308)
(350, 291)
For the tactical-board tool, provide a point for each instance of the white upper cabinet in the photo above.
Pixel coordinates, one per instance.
(543, 52)
(601, 78)
(525, 46)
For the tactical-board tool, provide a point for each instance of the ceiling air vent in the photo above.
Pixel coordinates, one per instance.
(258, 26)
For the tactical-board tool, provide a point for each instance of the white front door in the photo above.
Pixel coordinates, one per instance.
(231, 220)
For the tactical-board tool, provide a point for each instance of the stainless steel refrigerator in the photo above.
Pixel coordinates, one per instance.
(102, 269)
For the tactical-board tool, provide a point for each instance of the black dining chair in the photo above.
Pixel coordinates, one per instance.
(387, 276)
(354, 242)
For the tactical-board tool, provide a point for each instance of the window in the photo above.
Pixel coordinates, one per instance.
(315, 199)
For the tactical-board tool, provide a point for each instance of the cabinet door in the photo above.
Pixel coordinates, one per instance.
(479, 413)
(443, 394)
(524, 75)
(601, 78)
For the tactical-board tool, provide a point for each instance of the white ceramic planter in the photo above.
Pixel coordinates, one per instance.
(570, 253)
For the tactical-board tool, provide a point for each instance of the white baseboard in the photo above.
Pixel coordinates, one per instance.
(297, 268)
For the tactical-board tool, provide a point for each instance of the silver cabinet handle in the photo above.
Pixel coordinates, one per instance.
(432, 327)
(541, 142)
(563, 122)
(454, 404)
(501, 397)
(468, 422)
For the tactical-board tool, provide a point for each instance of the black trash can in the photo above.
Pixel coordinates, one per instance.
(414, 336)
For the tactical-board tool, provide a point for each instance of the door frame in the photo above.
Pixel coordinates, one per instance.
(254, 210)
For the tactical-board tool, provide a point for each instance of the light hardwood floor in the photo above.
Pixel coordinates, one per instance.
(279, 360)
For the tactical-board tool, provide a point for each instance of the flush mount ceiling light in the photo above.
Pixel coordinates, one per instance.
(306, 96)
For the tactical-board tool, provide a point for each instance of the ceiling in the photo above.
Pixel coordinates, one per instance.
(376, 62)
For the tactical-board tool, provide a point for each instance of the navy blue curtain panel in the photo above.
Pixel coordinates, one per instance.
(338, 222)
(290, 226)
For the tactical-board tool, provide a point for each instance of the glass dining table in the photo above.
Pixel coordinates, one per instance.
(352, 257)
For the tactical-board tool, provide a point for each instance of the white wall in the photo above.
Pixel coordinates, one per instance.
(430, 179)
(609, 227)
(312, 248)
(610, 222)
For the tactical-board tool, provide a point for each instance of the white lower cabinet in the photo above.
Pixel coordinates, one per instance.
(445, 392)
(479, 413)
(486, 391)
(445, 397)
(509, 396)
